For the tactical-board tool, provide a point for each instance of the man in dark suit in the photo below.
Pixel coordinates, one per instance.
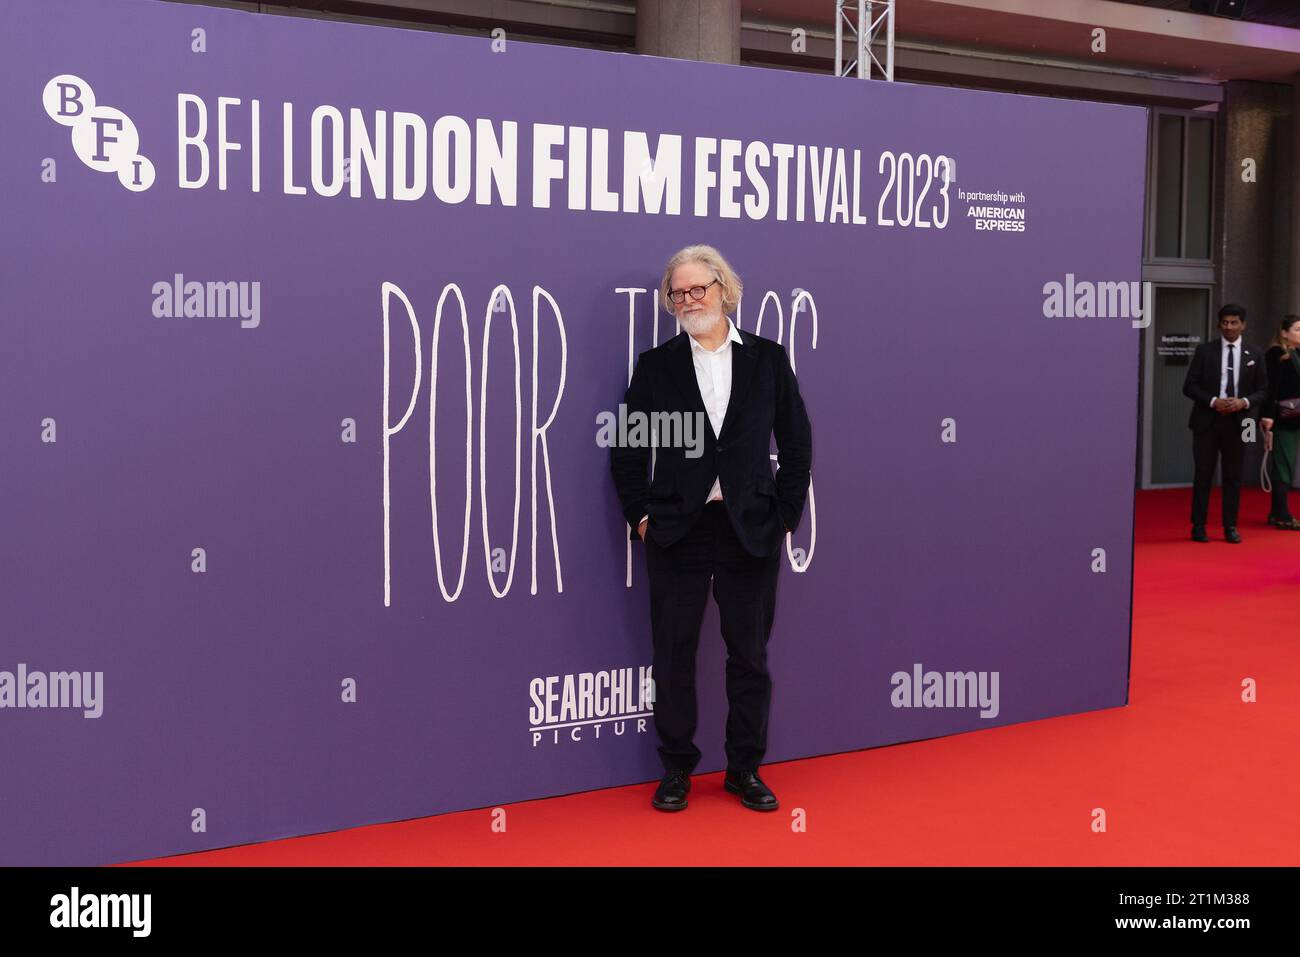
(1226, 381)
(714, 514)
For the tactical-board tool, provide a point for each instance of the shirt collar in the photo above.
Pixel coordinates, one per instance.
(1223, 341)
(732, 336)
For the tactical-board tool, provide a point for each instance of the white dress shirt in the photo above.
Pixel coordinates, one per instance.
(713, 375)
(1238, 349)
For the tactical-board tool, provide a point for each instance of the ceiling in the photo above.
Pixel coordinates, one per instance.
(1282, 13)
(1155, 39)
(1157, 36)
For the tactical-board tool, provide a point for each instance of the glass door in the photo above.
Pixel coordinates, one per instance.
(1180, 324)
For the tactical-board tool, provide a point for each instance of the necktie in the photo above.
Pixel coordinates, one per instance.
(1232, 379)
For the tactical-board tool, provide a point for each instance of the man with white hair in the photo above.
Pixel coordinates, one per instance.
(718, 515)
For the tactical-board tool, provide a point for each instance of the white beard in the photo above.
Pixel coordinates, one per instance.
(700, 323)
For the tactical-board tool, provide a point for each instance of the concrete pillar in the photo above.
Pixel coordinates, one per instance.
(1293, 302)
(1256, 258)
(689, 29)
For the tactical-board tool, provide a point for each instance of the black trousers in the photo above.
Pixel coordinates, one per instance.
(1221, 440)
(745, 589)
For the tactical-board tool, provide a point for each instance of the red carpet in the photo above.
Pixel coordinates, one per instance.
(1187, 773)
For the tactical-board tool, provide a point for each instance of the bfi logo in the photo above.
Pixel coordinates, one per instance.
(103, 137)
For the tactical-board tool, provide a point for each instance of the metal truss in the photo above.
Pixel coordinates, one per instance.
(874, 27)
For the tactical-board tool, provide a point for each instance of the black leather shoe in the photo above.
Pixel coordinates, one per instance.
(753, 792)
(671, 793)
(1230, 535)
(1198, 534)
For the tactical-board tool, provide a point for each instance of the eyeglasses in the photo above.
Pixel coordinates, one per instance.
(697, 292)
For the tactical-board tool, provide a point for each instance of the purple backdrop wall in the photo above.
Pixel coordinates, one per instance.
(132, 438)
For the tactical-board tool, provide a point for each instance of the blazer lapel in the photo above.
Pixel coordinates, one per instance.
(1249, 363)
(682, 371)
(743, 362)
